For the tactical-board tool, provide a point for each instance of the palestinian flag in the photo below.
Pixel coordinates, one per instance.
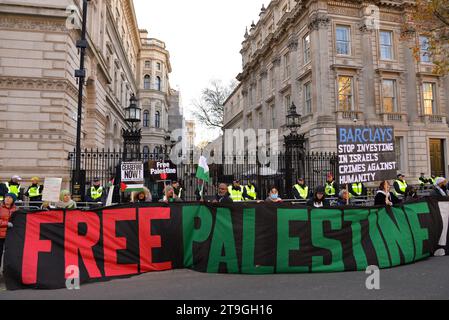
(202, 173)
(131, 187)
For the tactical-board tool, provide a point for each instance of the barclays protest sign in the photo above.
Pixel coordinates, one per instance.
(366, 154)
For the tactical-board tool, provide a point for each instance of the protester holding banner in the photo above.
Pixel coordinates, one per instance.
(223, 194)
(273, 197)
(384, 196)
(169, 195)
(343, 198)
(301, 190)
(179, 191)
(65, 201)
(142, 196)
(440, 188)
(319, 198)
(6, 210)
(411, 194)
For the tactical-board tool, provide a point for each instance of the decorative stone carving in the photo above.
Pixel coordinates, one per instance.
(318, 21)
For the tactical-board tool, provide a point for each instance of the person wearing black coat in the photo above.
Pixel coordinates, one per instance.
(384, 197)
(319, 198)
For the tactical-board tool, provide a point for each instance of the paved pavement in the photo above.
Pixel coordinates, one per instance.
(424, 280)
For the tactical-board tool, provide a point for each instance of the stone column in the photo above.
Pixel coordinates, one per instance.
(368, 74)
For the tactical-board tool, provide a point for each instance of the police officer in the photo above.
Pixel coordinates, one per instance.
(96, 192)
(301, 190)
(358, 190)
(423, 180)
(13, 187)
(331, 187)
(250, 192)
(34, 192)
(400, 186)
(236, 191)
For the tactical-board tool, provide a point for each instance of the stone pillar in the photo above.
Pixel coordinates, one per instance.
(368, 74)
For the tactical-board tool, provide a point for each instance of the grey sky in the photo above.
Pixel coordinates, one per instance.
(204, 39)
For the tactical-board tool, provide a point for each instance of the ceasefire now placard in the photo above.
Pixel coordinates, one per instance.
(366, 154)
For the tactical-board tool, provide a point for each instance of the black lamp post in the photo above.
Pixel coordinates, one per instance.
(132, 136)
(294, 150)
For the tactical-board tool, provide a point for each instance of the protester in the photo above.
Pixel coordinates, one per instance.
(384, 196)
(358, 190)
(440, 188)
(236, 191)
(400, 185)
(250, 192)
(142, 196)
(34, 192)
(411, 194)
(223, 194)
(7, 208)
(344, 198)
(319, 198)
(273, 197)
(65, 201)
(301, 190)
(169, 195)
(331, 188)
(179, 191)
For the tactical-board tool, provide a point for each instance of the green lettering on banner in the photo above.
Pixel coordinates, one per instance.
(249, 245)
(398, 237)
(192, 235)
(383, 259)
(318, 216)
(419, 234)
(223, 237)
(285, 242)
(356, 216)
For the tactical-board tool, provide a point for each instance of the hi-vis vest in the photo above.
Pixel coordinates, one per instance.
(251, 192)
(402, 186)
(357, 188)
(303, 192)
(236, 195)
(34, 192)
(96, 194)
(13, 189)
(330, 189)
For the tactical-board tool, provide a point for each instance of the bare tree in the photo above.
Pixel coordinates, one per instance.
(209, 109)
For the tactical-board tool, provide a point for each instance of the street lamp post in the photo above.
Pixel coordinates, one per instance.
(133, 136)
(294, 150)
(80, 74)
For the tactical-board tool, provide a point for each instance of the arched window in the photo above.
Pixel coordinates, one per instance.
(159, 83)
(157, 120)
(146, 119)
(147, 82)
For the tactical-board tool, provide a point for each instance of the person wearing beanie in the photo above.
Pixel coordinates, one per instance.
(440, 188)
(34, 192)
(66, 201)
(7, 208)
(319, 198)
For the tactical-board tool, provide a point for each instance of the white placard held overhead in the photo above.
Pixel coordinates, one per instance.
(52, 189)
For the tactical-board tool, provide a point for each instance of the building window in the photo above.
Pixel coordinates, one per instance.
(273, 116)
(343, 36)
(146, 119)
(250, 121)
(306, 46)
(157, 119)
(272, 79)
(147, 82)
(287, 103)
(424, 49)
(398, 149)
(386, 45)
(308, 98)
(159, 66)
(345, 93)
(287, 66)
(147, 64)
(158, 83)
(389, 93)
(429, 98)
(146, 152)
(261, 126)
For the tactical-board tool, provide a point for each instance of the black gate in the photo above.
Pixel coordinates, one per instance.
(280, 171)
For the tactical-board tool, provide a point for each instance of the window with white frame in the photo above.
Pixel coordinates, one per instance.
(345, 93)
(146, 119)
(343, 40)
(424, 49)
(389, 93)
(287, 103)
(147, 82)
(147, 64)
(429, 98)
(386, 45)
(308, 98)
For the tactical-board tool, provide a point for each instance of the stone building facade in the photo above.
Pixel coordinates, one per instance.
(341, 62)
(38, 91)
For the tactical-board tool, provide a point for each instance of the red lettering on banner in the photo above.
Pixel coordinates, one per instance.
(112, 243)
(148, 242)
(33, 245)
(75, 243)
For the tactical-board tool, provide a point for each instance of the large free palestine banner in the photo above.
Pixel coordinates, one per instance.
(44, 249)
